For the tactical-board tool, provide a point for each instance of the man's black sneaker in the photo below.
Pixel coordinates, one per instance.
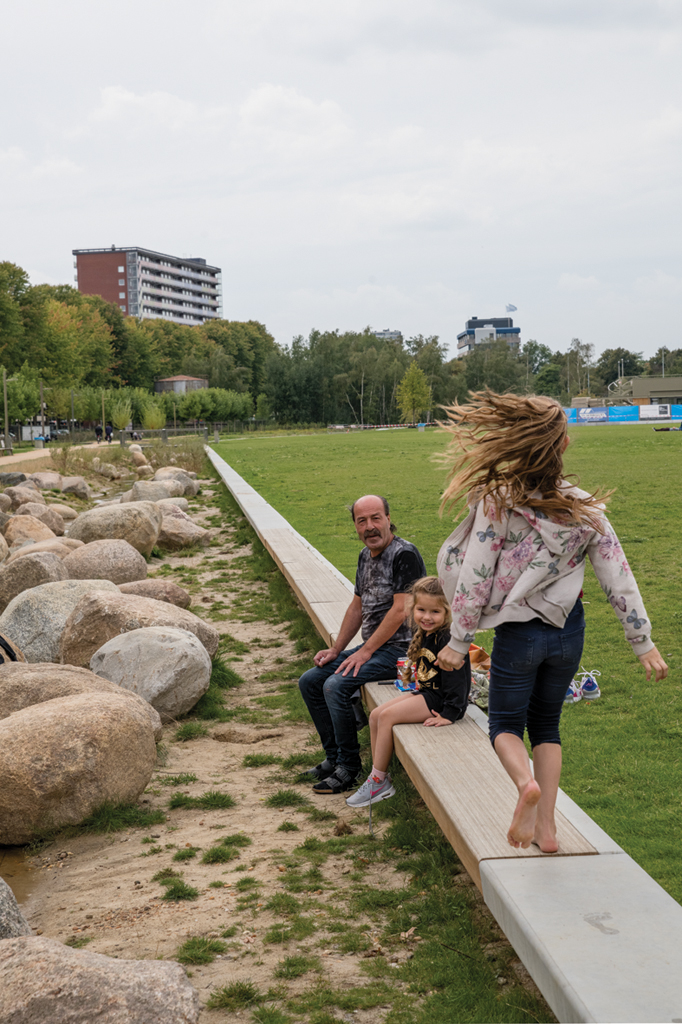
(340, 781)
(319, 772)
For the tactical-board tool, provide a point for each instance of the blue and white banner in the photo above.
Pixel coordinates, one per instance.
(623, 413)
(599, 414)
(571, 415)
(676, 411)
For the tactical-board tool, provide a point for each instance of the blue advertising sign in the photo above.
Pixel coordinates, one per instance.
(571, 415)
(600, 414)
(622, 413)
(676, 411)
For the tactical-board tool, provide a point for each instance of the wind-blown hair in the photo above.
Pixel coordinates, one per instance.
(508, 451)
(430, 585)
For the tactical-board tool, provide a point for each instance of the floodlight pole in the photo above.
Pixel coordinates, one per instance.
(73, 418)
(42, 411)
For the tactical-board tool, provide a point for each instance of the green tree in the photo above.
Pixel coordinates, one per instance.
(495, 365)
(121, 411)
(414, 393)
(549, 380)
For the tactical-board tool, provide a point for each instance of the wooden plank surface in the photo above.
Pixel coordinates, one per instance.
(467, 790)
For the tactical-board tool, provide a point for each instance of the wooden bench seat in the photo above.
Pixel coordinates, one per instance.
(462, 782)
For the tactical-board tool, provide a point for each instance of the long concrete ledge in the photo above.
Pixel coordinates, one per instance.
(601, 939)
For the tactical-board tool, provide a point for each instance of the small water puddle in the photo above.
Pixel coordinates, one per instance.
(14, 869)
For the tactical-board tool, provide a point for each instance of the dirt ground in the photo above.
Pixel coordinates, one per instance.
(100, 888)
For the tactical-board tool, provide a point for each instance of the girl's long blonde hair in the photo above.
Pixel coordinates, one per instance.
(507, 450)
(430, 585)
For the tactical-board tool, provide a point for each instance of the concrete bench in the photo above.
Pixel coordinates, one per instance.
(601, 939)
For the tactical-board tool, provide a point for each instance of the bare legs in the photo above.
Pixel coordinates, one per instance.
(407, 708)
(547, 765)
(533, 819)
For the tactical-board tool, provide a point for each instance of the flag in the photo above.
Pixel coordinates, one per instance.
(510, 308)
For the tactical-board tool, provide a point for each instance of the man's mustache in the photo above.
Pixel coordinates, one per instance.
(372, 533)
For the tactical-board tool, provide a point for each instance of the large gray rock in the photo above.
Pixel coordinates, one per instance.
(22, 685)
(137, 522)
(5, 503)
(181, 503)
(12, 479)
(150, 490)
(35, 619)
(46, 515)
(99, 617)
(61, 546)
(4, 548)
(20, 495)
(77, 486)
(114, 560)
(61, 760)
(66, 512)
(12, 921)
(49, 480)
(158, 590)
(179, 531)
(169, 668)
(27, 530)
(190, 484)
(31, 571)
(45, 982)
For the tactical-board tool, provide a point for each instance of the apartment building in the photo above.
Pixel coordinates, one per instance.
(150, 284)
(480, 329)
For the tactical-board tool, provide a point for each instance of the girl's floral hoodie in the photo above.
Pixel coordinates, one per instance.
(522, 565)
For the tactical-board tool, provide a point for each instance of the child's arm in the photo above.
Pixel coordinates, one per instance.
(618, 583)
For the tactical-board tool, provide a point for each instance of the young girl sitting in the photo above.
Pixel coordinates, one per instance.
(440, 700)
(516, 564)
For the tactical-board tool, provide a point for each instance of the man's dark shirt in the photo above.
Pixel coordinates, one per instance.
(379, 579)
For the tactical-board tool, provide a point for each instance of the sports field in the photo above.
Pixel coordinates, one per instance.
(623, 753)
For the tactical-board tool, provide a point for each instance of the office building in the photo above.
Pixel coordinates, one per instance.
(150, 284)
(478, 330)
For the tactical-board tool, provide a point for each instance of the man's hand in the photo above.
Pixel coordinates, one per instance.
(323, 657)
(653, 662)
(450, 660)
(354, 662)
(436, 720)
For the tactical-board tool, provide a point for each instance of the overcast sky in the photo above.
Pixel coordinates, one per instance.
(399, 163)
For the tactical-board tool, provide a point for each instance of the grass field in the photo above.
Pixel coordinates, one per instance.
(622, 753)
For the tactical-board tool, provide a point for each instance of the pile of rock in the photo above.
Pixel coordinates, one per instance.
(104, 656)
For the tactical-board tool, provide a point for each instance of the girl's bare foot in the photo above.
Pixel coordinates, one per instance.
(545, 838)
(522, 827)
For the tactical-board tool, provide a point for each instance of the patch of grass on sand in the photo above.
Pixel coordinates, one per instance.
(210, 801)
(177, 780)
(287, 798)
(296, 966)
(234, 996)
(190, 731)
(198, 950)
(260, 760)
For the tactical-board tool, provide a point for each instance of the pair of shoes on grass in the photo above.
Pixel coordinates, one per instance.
(585, 687)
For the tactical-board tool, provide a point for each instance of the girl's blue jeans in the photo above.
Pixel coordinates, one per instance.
(531, 667)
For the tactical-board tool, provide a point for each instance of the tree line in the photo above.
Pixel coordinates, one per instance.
(82, 347)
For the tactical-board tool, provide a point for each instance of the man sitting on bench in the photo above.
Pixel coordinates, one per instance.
(387, 568)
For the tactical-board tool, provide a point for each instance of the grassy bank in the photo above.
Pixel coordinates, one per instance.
(622, 763)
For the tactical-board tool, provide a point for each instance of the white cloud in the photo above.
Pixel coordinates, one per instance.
(577, 283)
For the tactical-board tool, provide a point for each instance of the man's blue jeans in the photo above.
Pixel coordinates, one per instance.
(327, 696)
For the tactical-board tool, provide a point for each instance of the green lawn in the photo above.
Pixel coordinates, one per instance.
(622, 752)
